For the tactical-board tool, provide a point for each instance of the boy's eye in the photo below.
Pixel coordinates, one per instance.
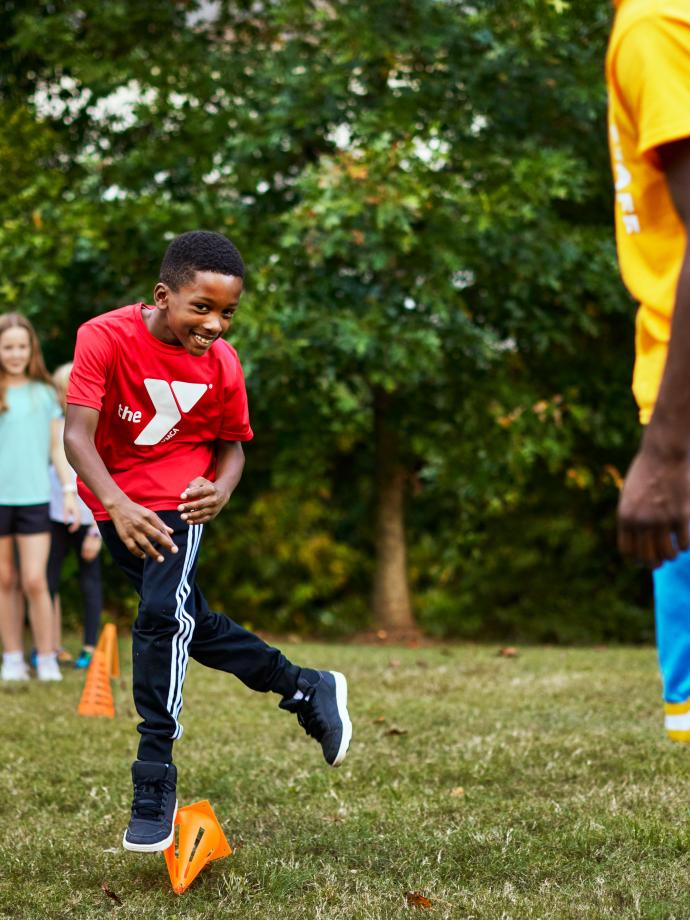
(202, 307)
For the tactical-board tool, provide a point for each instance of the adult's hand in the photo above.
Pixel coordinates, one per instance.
(91, 546)
(70, 511)
(654, 508)
(140, 528)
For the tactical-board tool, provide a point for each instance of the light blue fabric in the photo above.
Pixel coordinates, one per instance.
(25, 443)
(672, 612)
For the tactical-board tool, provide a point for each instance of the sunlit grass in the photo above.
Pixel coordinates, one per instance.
(532, 787)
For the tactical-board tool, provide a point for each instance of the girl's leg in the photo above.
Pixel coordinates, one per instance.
(33, 558)
(91, 592)
(11, 602)
(90, 582)
(59, 540)
(57, 623)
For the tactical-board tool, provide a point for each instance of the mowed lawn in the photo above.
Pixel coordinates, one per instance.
(539, 786)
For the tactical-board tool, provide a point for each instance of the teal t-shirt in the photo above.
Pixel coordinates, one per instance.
(25, 443)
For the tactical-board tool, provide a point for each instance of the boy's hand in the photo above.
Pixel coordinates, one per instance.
(139, 528)
(203, 500)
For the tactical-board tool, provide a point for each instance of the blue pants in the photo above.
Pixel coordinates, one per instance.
(174, 623)
(672, 610)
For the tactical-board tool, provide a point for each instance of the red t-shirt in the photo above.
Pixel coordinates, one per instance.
(161, 409)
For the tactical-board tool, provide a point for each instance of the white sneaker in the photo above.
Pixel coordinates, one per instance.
(14, 669)
(47, 668)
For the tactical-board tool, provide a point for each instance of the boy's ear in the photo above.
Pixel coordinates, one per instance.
(160, 295)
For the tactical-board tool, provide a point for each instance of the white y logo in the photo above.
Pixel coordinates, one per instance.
(167, 412)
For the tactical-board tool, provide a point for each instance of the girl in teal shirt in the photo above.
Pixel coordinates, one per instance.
(30, 437)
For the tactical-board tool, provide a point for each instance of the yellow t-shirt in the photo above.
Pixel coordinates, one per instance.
(648, 77)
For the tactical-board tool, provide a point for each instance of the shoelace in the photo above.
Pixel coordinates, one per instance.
(308, 717)
(149, 798)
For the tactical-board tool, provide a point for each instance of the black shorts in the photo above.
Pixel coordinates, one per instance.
(24, 519)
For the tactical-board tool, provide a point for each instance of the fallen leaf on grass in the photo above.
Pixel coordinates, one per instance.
(382, 635)
(106, 889)
(396, 731)
(113, 850)
(417, 899)
(508, 652)
(378, 719)
(394, 663)
(457, 792)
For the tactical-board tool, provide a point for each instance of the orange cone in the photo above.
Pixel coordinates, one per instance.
(184, 867)
(107, 644)
(97, 697)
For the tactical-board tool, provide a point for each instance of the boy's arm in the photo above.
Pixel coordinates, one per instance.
(137, 527)
(203, 500)
(654, 509)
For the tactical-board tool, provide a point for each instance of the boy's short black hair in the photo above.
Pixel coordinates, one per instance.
(199, 251)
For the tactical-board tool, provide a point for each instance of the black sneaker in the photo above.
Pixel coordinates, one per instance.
(322, 712)
(154, 806)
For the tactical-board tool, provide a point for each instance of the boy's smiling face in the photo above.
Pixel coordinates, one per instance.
(197, 314)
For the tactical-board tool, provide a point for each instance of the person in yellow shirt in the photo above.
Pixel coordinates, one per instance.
(648, 78)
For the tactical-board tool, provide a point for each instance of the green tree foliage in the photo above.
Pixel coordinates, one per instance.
(434, 330)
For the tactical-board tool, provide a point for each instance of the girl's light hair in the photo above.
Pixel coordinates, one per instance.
(61, 377)
(36, 369)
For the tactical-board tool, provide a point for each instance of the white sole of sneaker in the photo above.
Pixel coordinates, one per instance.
(341, 702)
(151, 847)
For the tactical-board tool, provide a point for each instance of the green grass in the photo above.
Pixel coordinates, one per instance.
(573, 804)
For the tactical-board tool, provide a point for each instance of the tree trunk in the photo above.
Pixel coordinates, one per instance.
(391, 599)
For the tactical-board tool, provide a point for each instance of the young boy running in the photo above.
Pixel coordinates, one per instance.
(156, 414)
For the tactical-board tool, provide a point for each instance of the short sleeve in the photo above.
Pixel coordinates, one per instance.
(652, 71)
(54, 407)
(92, 360)
(235, 423)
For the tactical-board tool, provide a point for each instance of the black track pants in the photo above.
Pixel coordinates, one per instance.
(174, 623)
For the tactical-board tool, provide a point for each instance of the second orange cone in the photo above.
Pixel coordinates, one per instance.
(97, 697)
(107, 644)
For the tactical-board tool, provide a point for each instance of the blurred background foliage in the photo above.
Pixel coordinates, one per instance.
(434, 331)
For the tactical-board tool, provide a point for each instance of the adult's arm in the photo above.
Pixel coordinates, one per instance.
(70, 508)
(202, 499)
(138, 527)
(654, 508)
